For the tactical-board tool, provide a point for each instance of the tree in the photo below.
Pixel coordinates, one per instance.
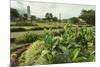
(88, 16)
(55, 19)
(25, 17)
(49, 16)
(14, 14)
(74, 20)
(33, 18)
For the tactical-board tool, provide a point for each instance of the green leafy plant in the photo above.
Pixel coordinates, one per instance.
(75, 44)
(33, 53)
(27, 38)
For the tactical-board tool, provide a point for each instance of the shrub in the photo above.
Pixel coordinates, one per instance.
(17, 29)
(27, 38)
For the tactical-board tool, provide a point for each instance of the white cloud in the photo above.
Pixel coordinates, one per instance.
(39, 8)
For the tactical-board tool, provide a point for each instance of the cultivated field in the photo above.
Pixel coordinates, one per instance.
(47, 43)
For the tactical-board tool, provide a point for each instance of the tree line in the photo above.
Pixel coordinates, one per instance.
(86, 16)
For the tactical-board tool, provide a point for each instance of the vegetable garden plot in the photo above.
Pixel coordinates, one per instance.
(45, 35)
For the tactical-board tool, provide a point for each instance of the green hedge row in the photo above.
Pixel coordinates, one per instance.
(34, 28)
(23, 24)
(17, 29)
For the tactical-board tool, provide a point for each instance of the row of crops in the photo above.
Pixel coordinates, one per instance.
(73, 44)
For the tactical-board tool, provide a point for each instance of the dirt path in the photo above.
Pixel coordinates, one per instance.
(16, 54)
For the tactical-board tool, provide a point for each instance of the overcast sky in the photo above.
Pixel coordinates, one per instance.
(40, 8)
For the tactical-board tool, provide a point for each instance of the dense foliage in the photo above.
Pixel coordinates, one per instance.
(74, 20)
(88, 16)
(14, 14)
(32, 55)
(76, 44)
(27, 38)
